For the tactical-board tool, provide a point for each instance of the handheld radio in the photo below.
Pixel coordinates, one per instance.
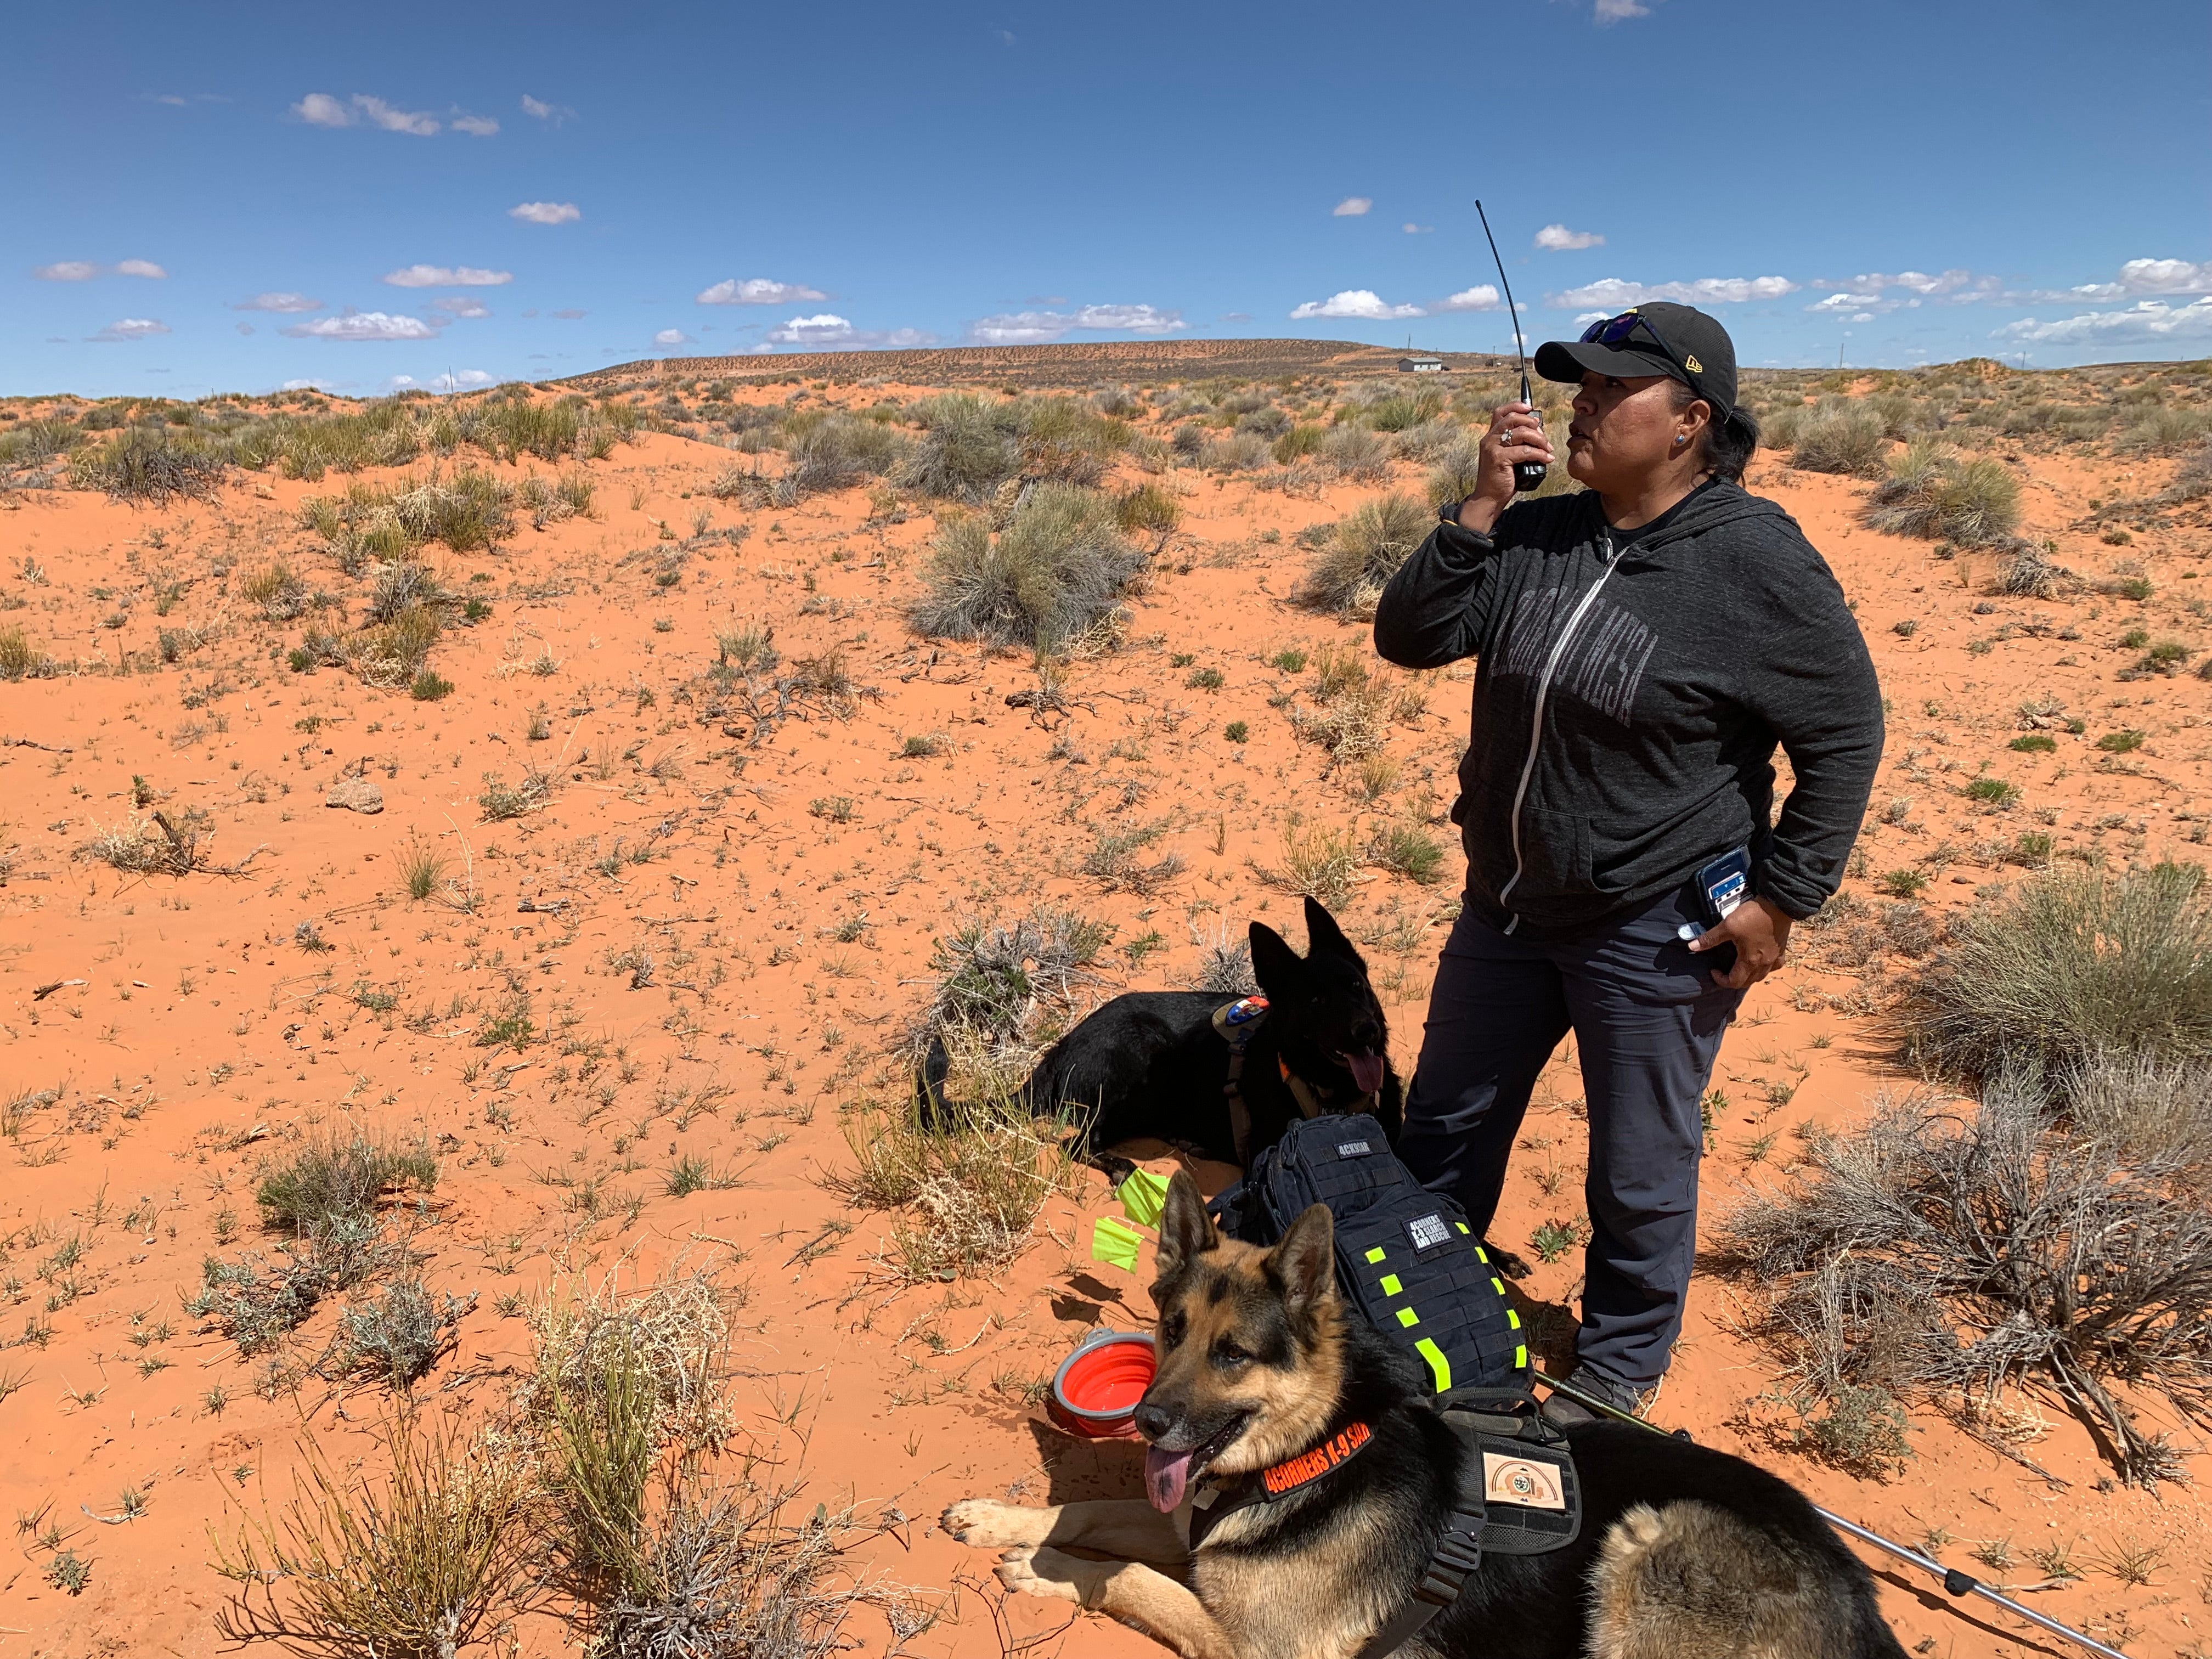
(1527, 475)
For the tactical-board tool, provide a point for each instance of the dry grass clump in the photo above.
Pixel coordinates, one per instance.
(275, 591)
(1837, 435)
(568, 496)
(155, 846)
(1930, 492)
(331, 1177)
(972, 1172)
(1355, 564)
(968, 449)
(1958, 1253)
(2068, 967)
(19, 658)
(430, 1559)
(148, 466)
(1117, 859)
(839, 452)
(501, 800)
(1057, 568)
(1357, 454)
(1004, 989)
(397, 1335)
(597, 1343)
(1355, 707)
(1319, 862)
(1147, 509)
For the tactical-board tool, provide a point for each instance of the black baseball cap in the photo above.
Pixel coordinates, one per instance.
(1661, 337)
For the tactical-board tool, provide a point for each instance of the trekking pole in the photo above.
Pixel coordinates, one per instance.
(1954, 1581)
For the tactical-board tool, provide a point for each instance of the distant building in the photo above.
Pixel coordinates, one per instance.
(1420, 365)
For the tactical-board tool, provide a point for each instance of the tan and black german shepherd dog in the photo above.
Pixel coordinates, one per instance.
(1685, 1552)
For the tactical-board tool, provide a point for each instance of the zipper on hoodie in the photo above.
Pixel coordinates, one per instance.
(1537, 721)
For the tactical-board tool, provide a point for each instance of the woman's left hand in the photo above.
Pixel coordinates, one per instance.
(1760, 934)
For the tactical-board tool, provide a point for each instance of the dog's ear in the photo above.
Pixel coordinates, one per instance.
(1304, 1263)
(1186, 1230)
(1323, 935)
(1278, 969)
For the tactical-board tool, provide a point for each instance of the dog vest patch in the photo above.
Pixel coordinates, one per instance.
(1526, 1482)
(1351, 1148)
(1427, 1231)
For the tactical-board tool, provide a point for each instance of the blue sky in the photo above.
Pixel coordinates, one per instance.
(232, 197)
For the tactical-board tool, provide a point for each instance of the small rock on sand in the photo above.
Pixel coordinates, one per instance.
(355, 795)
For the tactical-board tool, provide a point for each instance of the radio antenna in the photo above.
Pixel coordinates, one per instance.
(1527, 475)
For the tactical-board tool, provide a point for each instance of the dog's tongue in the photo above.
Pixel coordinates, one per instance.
(1165, 1475)
(1366, 1071)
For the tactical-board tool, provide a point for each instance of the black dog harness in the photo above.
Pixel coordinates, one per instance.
(1237, 1023)
(1518, 1496)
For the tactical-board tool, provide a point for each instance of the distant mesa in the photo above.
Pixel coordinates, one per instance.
(1065, 364)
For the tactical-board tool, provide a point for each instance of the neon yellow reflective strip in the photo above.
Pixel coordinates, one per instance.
(1498, 1286)
(1406, 1316)
(1461, 1225)
(1513, 1319)
(1520, 1360)
(1439, 1367)
(1482, 1255)
(1375, 1254)
(1390, 1285)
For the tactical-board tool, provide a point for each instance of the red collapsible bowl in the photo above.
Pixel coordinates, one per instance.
(1095, 1390)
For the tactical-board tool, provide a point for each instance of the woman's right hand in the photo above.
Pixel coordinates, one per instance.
(1515, 434)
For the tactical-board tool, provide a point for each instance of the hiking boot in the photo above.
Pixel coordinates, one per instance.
(1564, 1412)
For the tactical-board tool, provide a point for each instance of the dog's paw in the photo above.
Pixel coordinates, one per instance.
(988, 1525)
(1044, 1572)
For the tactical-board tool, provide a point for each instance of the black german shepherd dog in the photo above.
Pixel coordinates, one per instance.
(1685, 1552)
(1150, 1065)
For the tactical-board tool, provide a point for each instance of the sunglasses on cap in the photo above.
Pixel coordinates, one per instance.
(1613, 330)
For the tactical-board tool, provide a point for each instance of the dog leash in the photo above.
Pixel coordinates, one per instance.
(1955, 1582)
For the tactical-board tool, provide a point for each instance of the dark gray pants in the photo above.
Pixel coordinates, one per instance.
(1647, 1020)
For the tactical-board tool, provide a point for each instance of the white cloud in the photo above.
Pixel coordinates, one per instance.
(382, 114)
(461, 305)
(569, 316)
(319, 109)
(556, 113)
(1483, 297)
(139, 268)
(278, 302)
(243, 328)
(1588, 317)
(364, 325)
(447, 276)
(1615, 295)
(67, 271)
(1037, 327)
(1355, 302)
(827, 329)
(671, 336)
(1611, 12)
(2148, 276)
(2147, 319)
(757, 291)
(131, 328)
(546, 213)
(477, 126)
(1558, 238)
(1352, 207)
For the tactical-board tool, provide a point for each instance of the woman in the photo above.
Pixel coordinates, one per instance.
(1640, 650)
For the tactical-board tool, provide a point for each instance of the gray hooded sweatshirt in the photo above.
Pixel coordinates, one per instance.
(1630, 689)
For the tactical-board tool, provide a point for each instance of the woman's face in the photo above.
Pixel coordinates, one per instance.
(1625, 430)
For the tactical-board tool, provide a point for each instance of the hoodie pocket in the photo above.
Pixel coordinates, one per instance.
(1555, 852)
